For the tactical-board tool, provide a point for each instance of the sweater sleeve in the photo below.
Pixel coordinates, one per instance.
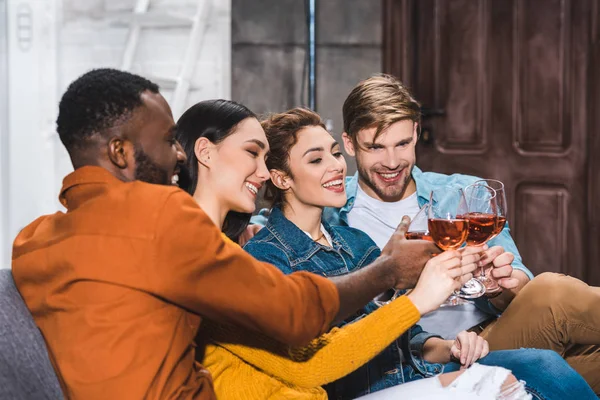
(327, 358)
(190, 264)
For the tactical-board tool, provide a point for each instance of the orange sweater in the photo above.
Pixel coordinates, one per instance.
(118, 283)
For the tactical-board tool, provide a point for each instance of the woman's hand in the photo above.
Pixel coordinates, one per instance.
(249, 233)
(469, 347)
(441, 276)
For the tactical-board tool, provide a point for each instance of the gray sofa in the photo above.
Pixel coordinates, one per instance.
(25, 369)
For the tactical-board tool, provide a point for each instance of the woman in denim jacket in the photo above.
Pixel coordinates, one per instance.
(307, 174)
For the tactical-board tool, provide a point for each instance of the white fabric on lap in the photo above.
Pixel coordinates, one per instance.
(479, 382)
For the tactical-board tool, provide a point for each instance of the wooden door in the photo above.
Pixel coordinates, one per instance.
(508, 89)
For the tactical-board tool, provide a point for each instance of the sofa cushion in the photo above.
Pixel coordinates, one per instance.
(25, 369)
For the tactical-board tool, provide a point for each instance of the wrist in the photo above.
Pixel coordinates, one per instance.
(418, 302)
(449, 344)
(385, 271)
(437, 350)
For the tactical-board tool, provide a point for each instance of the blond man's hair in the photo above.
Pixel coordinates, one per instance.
(378, 101)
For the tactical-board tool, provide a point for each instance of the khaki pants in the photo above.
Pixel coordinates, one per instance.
(555, 312)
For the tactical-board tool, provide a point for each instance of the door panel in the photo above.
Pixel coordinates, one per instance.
(594, 165)
(509, 83)
(455, 39)
(541, 62)
(548, 204)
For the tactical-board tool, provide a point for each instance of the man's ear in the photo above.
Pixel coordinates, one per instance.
(348, 145)
(118, 150)
(416, 132)
(203, 149)
(280, 179)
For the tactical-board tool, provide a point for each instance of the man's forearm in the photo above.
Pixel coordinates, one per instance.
(358, 288)
(503, 300)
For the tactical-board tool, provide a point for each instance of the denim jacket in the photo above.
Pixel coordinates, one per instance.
(426, 182)
(284, 245)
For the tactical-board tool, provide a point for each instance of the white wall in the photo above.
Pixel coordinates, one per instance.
(31, 104)
(68, 38)
(4, 240)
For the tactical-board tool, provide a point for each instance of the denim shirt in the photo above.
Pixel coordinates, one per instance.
(426, 182)
(284, 245)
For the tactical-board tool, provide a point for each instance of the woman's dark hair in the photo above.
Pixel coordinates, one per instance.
(282, 133)
(214, 120)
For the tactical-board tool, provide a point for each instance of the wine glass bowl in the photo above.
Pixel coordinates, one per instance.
(482, 214)
(501, 204)
(449, 229)
(418, 228)
(449, 234)
(447, 225)
(500, 222)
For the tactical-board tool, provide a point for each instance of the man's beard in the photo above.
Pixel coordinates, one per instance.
(149, 171)
(387, 193)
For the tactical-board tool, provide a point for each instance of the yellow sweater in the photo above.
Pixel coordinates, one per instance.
(248, 366)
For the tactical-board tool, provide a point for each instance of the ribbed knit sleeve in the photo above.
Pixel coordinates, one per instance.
(331, 356)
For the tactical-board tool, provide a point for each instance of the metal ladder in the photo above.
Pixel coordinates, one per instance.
(143, 18)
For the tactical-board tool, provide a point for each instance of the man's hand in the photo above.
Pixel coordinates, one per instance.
(249, 233)
(498, 263)
(468, 347)
(407, 256)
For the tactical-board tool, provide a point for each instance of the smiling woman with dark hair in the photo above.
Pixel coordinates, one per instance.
(225, 147)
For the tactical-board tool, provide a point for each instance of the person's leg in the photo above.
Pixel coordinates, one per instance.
(586, 361)
(546, 374)
(486, 380)
(555, 312)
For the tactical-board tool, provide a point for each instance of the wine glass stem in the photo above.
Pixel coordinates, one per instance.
(482, 254)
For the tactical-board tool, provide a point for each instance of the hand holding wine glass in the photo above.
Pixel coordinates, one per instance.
(499, 262)
(408, 256)
(442, 275)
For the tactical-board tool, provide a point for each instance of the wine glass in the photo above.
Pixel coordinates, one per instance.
(501, 213)
(481, 203)
(482, 216)
(449, 229)
(501, 204)
(418, 228)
